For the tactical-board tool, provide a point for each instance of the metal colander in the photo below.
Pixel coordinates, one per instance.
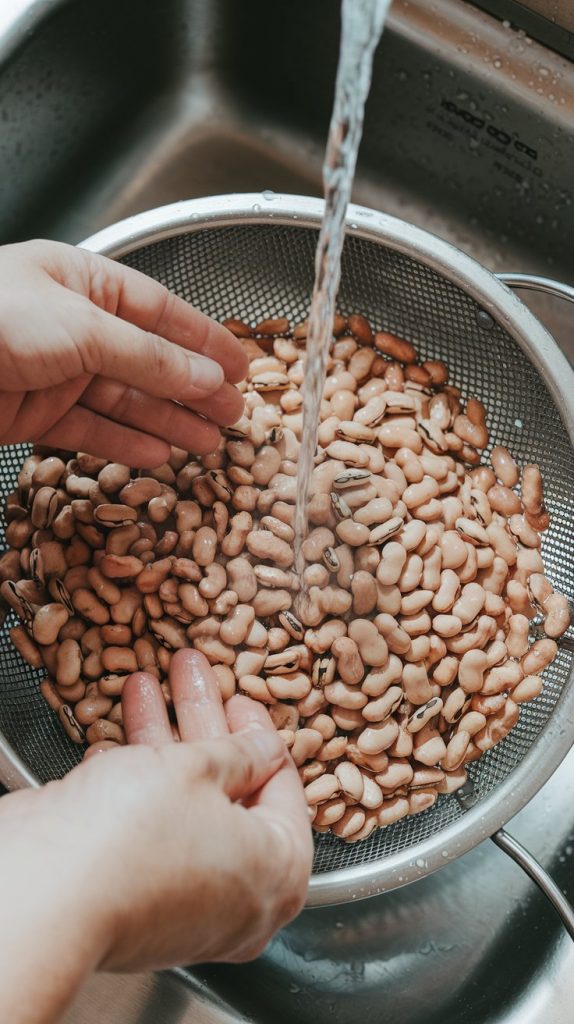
(253, 257)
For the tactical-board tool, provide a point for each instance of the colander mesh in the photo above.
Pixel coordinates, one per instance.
(255, 271)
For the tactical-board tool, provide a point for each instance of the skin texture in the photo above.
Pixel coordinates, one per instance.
(164, 852)
(94, 357)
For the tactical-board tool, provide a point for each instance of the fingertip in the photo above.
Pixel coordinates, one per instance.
(196, 696)
(243, 714)
(205, 375)
(188, 658)
(139, 685)
(144, 710)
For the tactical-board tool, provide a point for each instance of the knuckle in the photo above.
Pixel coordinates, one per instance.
(159, 357)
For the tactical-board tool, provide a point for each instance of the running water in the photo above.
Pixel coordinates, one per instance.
(362, 25)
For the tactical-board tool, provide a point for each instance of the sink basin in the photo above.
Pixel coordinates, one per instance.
(111, 108)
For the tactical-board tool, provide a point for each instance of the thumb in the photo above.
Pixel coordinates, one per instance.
(241, 764)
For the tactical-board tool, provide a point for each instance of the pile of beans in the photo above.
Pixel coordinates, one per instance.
(400, 655)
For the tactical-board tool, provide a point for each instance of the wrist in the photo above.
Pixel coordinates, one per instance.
(52, 909)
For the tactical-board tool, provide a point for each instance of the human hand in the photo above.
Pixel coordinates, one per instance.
(178, 852)
(94, 357)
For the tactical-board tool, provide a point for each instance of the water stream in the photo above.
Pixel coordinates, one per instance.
(362, 25)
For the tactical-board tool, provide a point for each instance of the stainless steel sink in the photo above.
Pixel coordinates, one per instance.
(109, 108)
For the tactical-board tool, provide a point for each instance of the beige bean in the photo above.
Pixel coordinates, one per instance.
(531, 487)
(517, 636)
(48, 621)
(271, 602)
(93, 706)
(502, 542)
(470, 603)
(364, 590)
(528, 561)
(371, 644)
(498, 726)
(502, 678)
(416, 683)
(68, 662)
(392, 810)
(119, 660)
(502, 499)
(120, 566)
(453, 550)
(353, 533)
(540, 655)
(140, 491)
(345, 695)
(523, 531)
(558, 616)
(379, 709)
(447, 592)
(204, 546)
(26, 647)
(350, 779)
(101, 729)
(349, 663)
(447, 625)
(322, 789)
(455, 705)
(377, 683)
(392, 563)
(471, 531)
(424, 714)
(529, 688)
(446, 670)
(263, 544)
(504, 466)
(396, 348)
(473, 666)
(378, 736)
(320, 640)
(237, 625)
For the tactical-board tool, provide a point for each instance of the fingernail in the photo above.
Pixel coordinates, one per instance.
(206, 374)
(269, 743)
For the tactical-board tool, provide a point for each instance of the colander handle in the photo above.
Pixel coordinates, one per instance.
(533, 283)
(545, 883)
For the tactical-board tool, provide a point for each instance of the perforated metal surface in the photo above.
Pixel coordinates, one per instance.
(258, 270)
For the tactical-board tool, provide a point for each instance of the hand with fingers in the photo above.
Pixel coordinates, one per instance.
(175, 849)
(97, 357)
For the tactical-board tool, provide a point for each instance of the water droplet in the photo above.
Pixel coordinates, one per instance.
(518, 424)
(256, 207)
(484, 320)
(497, 63)
(268, 194)
(420, 863)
